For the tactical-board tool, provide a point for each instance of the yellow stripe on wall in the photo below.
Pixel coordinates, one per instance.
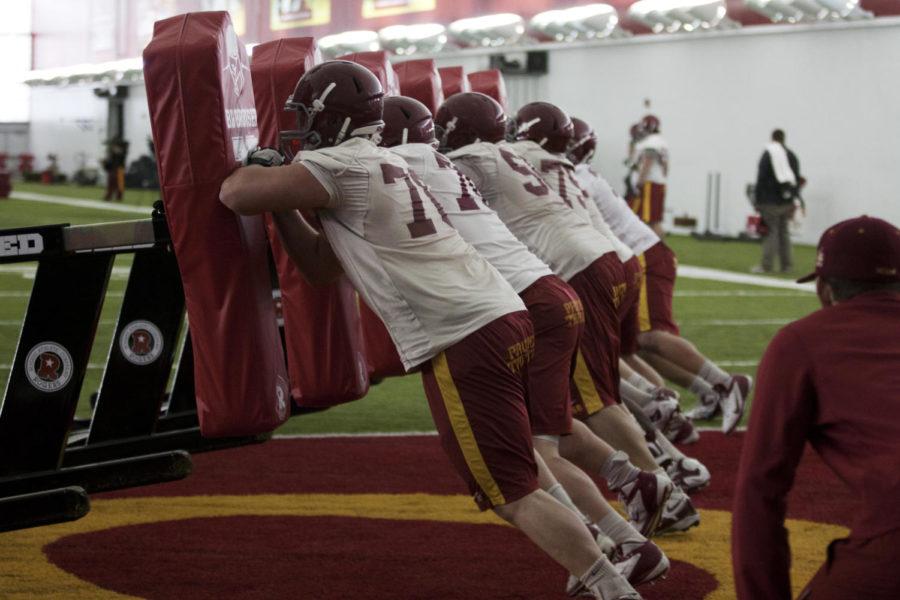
(647, 187)
(643, 303)
(465, 437)
(590, 397)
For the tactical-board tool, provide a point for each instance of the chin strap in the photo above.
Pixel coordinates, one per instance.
(445, 134)
(405, 135)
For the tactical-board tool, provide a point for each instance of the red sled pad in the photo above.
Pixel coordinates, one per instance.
(322, 326)
(489, 82)
(381, 353)
(419, 79)
(379, 62)
(203, 120)
(453, 81)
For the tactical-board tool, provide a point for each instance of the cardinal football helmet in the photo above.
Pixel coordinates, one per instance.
(335, 101)
(583, 143)
(545, 124)
(469, 117)
(406, 121)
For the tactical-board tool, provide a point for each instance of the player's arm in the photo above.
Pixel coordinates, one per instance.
(781, 418)
(308, 248)
(256, 189)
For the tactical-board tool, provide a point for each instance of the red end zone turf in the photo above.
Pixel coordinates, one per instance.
(260, 552)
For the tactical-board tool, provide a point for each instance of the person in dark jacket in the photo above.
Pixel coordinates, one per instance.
(114, 165)
(778, 184)
(831, 379)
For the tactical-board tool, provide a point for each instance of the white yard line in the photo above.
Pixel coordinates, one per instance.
(691, 272)
(91, 366)
(736, 363)
(28, 271)
(81, 203)
(27, 294)
(18, 322)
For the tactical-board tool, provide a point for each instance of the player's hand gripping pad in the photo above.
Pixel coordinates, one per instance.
(490, 83)
(453, 81)
(204, 122)
(381, 353)
(322, 327)
(419, 79)
(379, 62)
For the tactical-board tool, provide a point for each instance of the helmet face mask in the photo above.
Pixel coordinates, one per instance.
(583, 144)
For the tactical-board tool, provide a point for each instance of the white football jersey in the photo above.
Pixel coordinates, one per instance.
(559, 173)
(654, 146)
(475, 222)
(532, 211)
(626, 225)
(429, 286)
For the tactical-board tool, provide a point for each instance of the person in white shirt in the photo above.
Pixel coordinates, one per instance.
(661, 344)
(558, 318)
(651, 159)
(448, 311)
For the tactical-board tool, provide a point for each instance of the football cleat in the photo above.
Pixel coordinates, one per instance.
(660, 410)
(680, 429)
(688, 473)
(679, 514)
(644, 498)
(642, 563)
(708, 405)
(734, 402)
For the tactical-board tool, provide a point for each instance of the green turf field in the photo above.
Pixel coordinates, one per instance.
(731, 323)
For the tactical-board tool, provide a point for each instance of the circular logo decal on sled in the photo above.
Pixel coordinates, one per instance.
(141, 342)
(48, 367)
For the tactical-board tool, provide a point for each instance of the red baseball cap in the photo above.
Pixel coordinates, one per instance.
(860, 249)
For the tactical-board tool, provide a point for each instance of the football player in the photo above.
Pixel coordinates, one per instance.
(651, 160)
(558, 319)
(676, 358)
(448, 311)
(544, 132)
(472, 130)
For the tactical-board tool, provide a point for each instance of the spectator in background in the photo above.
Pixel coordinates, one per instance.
(778, 184)
(114, 165)
(651, 159)
(830, 378)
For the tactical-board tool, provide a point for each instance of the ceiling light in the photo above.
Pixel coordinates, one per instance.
(489, 30)
(585, 22)
(407, 39)
(349, 42)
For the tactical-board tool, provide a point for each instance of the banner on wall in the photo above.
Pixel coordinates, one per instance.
(385, 8)
(291, 14)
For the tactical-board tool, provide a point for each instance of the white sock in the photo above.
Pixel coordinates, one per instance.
(603, 581)
(634, 393)
(619, 529)
(713, 374)
(558, 492)
(617, 470)
(700, 387)
(641, 382)
(668, 447)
